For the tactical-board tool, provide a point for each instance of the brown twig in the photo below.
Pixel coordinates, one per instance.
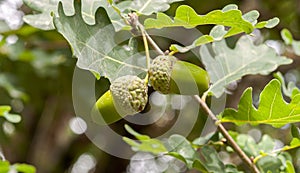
(229, 139)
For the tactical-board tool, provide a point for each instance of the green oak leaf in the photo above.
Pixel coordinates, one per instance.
(229, 16)
(147, 7)
(229, 65)
(187, 17)
(145, 143)
(179, 145)
(272, 109)
(213, 163)
(95, 46)
(43, 19)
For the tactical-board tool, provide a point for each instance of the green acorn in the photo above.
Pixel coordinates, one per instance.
(169, 75)
(127, 96)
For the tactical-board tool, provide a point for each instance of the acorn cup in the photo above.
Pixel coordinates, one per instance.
(168, 75)
(127, 96)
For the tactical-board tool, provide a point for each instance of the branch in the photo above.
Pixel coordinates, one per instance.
(135, 23)
(225, 133)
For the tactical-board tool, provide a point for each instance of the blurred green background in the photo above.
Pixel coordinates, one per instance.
(36, 69)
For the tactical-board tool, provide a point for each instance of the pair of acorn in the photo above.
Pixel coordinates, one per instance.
(168, 75)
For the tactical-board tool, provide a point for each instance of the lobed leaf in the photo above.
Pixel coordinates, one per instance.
(229, 65)
(187, 17)
(148, 7)
(272, 110)
(44, 20)
(95, 45)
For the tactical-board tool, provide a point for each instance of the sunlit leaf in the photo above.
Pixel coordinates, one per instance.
(13, 118)
(272, 109)
(290, 167)
(187, 17)
(295, 143)
(229, 65)
(229, 16)
(95, 47)
(24, 168)
(4, 166)
(286, 36)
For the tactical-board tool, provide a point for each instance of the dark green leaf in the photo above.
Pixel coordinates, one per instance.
(295, 131)
(212, 161)
(95, 47)
(43, 20)
(197, 164)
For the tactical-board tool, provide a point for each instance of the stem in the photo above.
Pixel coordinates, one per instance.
(225, 133)
(145, 44)
(154, 45)
(202, 103)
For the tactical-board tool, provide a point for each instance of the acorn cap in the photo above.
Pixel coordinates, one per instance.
(171, 76)
(160, 73)
(129, 94)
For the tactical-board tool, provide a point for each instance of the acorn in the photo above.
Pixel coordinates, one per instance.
(127, 96)
(168, 75)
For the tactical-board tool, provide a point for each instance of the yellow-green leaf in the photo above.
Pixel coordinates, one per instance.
(272, 109)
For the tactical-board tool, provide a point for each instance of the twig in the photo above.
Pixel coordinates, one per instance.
(229, 139)
(221, 128)
(153, 44)
(145, 44)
